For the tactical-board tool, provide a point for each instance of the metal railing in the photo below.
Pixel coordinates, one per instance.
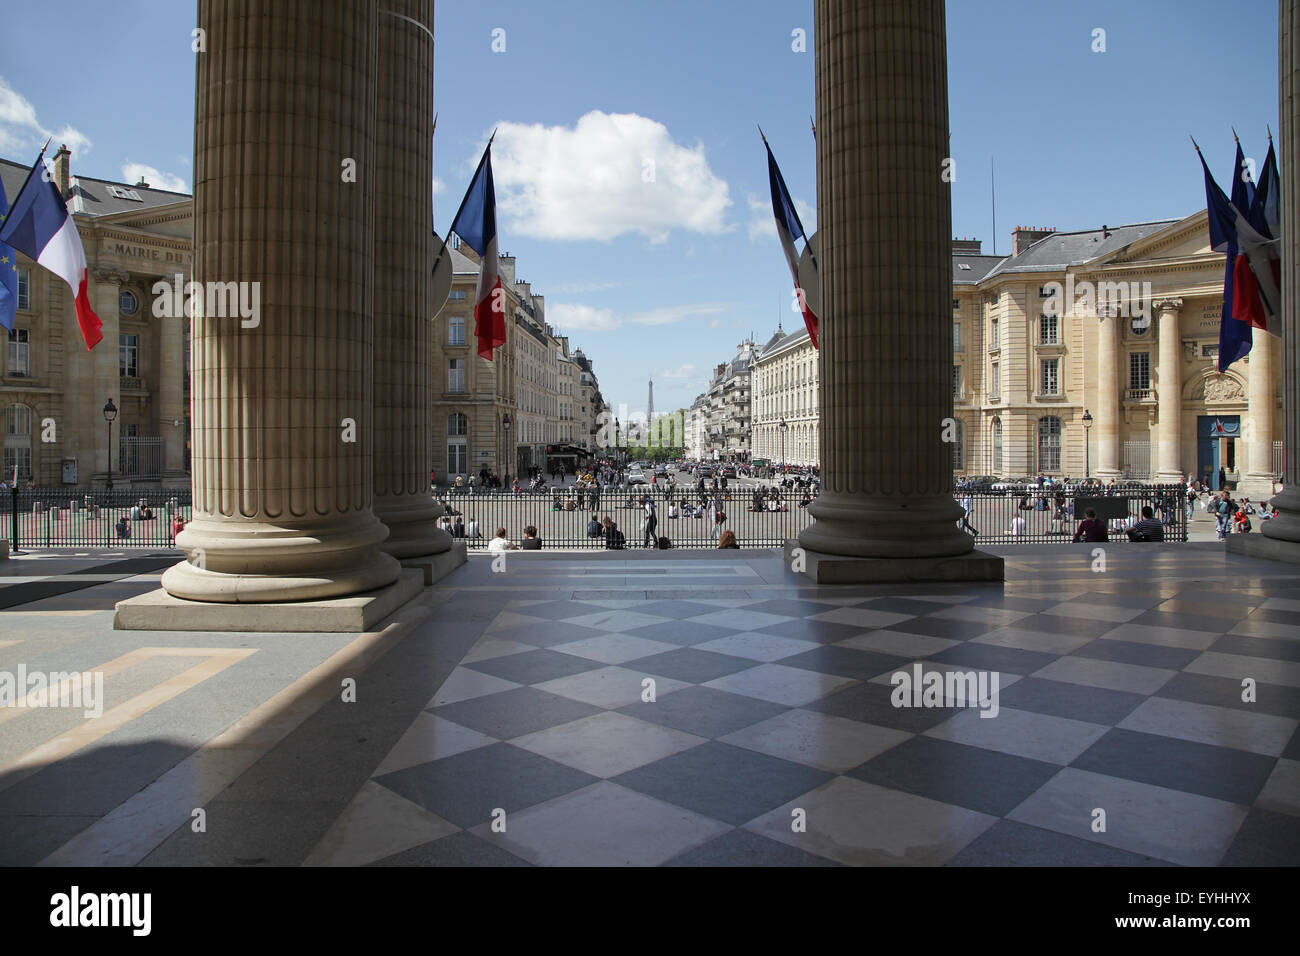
(1041, 516)
(60, 518)
(64, 518)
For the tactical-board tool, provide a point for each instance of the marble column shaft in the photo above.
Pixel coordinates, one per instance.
(403, 186)
(1169, 393)
(1107, 405)
(1286, 527)
(1261, 399)
(170, 400)
(282, 486)
(884, 217)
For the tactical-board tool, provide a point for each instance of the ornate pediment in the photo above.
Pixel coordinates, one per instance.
(1216, 388)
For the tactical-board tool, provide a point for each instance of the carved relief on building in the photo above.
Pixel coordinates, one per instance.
(1215, 388)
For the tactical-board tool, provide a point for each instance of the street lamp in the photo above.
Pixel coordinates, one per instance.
(782, 425)
(1087, 450)
(110, 413)
(505, 451)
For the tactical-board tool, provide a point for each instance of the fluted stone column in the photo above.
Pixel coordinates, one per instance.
(285, 94)
(1261, 399)
(1281, 535)
(886, 275)
(1107, 413)
(403, 184)
(1169, 394)
(1286, 527)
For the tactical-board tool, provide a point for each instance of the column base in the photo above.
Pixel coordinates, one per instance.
(412, 522)
(435, 567)
(1261, 546)
(160, 611)
(842, 569)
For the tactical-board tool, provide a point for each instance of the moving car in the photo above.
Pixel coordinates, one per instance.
(636, 477)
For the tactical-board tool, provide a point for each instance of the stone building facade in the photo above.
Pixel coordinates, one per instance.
(53, 391)
(1130, 337)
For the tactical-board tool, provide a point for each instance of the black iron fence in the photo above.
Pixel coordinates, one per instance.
(59, 518)
(63, 518)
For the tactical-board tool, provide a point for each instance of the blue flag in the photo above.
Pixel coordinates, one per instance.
(1235, 338)
(8, 272)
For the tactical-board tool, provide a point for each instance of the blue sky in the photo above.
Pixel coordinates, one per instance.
(665, 278)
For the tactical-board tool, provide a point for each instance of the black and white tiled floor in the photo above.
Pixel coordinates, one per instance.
(699, 712)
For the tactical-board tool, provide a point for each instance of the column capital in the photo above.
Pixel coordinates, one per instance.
(1170, 304)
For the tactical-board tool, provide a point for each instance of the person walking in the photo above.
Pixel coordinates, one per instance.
(719, 516)
(1224, 509)
(968, 506)
(651, 521)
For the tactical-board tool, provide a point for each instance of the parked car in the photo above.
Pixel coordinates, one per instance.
(728, 471)
(706, 471)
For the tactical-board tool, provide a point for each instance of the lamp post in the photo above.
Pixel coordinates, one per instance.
(110, 413)
(1087, 449)
(782, 425)
(505, 451)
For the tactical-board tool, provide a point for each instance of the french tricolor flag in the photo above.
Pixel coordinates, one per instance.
(38, 225)
(788, 229)
(476, 224)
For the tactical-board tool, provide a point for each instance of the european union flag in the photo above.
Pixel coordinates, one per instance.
(8, 272)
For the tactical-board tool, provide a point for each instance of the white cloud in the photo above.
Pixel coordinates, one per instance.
(438, 185)
(590, 181)
(20, 130)
(762, 225)
(581, 288)
(682, 371)
(574, 317)
(131, 172)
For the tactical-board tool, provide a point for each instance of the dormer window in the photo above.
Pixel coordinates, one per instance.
(121, 192)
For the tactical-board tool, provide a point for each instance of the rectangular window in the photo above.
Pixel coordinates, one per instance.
(457, 295)
(128, 356)
(1047, 330)
(1209, 351)
(956, 304)
(995, 381)
(455, 375)
(995, 340)
(956, 381)
(1050, 377)
(956, 336)
(457, 458)
(19, 353)
(456, 330)
(1139, 370)
(22, 457)
(1044, 292)
(24, 290)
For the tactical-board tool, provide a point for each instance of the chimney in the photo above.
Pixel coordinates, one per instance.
(63, 170)
(142, 183)
(966, 247)
(1025, 236)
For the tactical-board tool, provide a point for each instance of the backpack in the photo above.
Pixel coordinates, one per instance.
(619, 539)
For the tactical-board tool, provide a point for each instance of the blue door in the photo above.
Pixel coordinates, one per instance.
(1211, 430)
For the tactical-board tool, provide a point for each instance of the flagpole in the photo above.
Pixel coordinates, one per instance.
(39, 157)
(438, 258)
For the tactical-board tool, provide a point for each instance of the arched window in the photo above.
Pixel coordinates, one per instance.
(996, 464)
(1049, 444)
(958, 446)
(18, 442)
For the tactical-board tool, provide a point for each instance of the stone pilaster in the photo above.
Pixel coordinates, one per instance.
(170, 394)
(1169, 393)
(403, 185)
(1106, 411)
(886, 274)
(285, 96)
(104, 375)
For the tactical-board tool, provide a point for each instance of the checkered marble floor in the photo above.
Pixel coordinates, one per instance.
(1146, 716)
